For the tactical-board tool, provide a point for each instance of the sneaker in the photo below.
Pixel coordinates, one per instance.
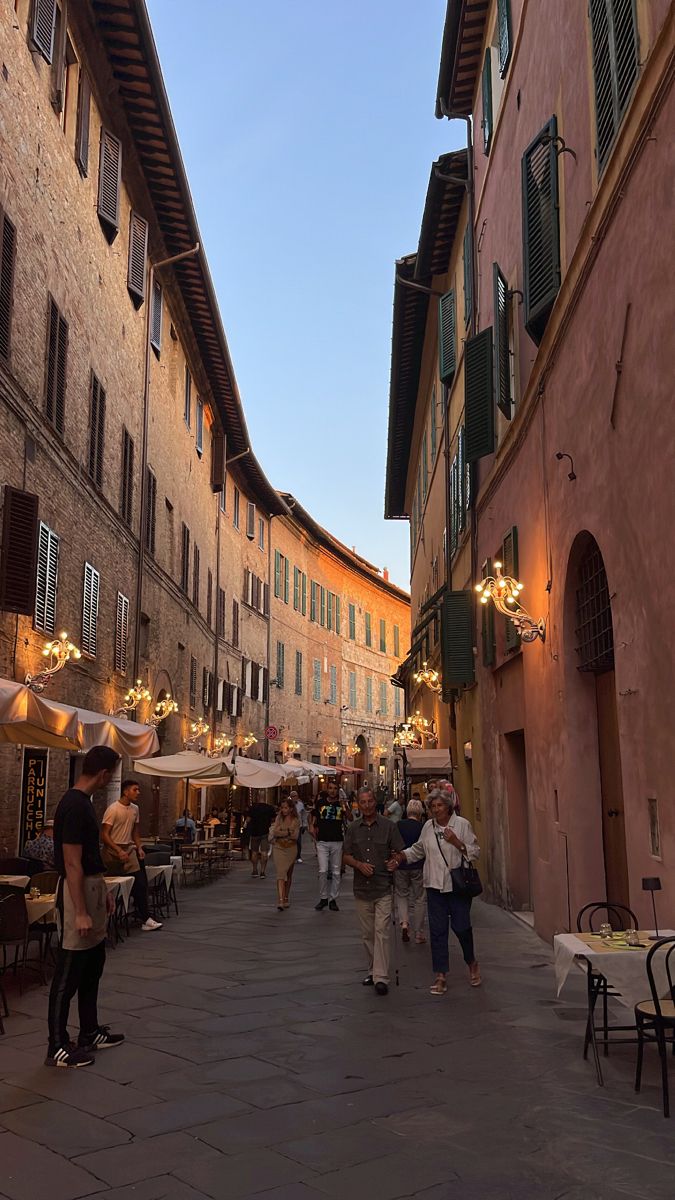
(102, 1039)
(150, 924)
(298, 860)
(368, 981)
(333, 906)
(320, 905)
(70, 1055)
(381, 988)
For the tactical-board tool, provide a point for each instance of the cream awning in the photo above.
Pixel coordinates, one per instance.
(30, 719)
(429, 764)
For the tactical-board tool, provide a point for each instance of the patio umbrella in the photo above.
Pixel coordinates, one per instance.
(297, 765)
(255, 774)
(28, 718)
(188, 764)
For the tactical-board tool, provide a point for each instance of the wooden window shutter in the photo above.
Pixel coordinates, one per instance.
(199, 426)
(615, 67)
(57, 357)
(121, 632)
(266, 600)
(250, 521)
(338, 615)
(90, 609)
(151, 511)
(156, 317)
(46, 579)
(510, 567)
(457, 641)
(96, 431)
(462, 495)
(193, 681)
(138, 251)
(127, 495)
(303, 607)
(488, 622)
(217, 460)
(467, 261)
(195, 575)
(541, 229)
(7, 256)
(454, 506)
(447, 337)
(478, 396)
(504, 34)
(220, 614)
(209, 597)
(502, 361)
(486, 90)
(185, 558)
(19, 552)
(235, 623)
(82, 129)
(109, 182)
(205, 688)
(42, 26)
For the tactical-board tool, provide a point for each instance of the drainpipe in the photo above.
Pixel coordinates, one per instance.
(216, 640)
(165, 262)
(269, 630)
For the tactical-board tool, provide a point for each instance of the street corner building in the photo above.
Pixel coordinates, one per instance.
(136, 518)
(531, 440)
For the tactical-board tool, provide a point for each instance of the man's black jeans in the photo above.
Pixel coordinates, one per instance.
(76, 971)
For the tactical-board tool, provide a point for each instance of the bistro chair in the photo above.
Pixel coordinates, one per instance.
(20, 866)
(589, 918)
(16, 933)
(655, 1018)
(47, 882)
(158, 893)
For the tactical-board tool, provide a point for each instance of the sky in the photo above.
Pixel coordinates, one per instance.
(308, 131)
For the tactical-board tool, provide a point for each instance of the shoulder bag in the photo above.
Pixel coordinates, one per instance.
(465, 877)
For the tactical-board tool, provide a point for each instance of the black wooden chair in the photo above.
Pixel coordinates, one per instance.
(655, 1018)
(20, 866)
(589, 918)
(16, 934)
(47, 882)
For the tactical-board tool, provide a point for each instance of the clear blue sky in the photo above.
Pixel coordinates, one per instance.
(308, 132)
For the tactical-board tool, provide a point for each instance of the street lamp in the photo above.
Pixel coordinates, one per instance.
(504, 591)
(221, 742)
(59, 652)
(163, 709)
(429, 677)
(292, 746)
(136, 695)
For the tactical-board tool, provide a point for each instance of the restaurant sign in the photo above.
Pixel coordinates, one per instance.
(33, 793)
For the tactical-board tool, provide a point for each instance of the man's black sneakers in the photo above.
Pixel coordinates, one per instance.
(381, 988)
(102, 1039)
(70, 1055)
(333, 906)
(320, 905)
(368, 981)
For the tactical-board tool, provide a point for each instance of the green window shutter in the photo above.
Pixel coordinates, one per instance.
(397, 642)
(447, 337)
(352, 689)
(488, 622)
(277, 573)
(467, 259)
(478, 396)
(338, 616)
(287, 571)
(433, 424)
(454, 523)
(615, 67)
(510, 567)
(457, 665)
(312, 602)
(501, 352)
(304, 594)
(369, 633)
(352, 622)
(296, 588)
(504, 30)
(487, 101)
(461, 469)
(329, 612)
(323, 606)
(541, 229)
(383, 635)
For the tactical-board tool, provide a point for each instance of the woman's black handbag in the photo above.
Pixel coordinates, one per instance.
(465, 879)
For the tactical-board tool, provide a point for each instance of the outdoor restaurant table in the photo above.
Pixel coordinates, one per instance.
(125, 883)
(42, 907)
(622, 966)
(165, 870)
(19, 881)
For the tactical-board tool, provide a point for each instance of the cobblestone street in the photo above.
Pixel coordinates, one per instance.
(257, 1065)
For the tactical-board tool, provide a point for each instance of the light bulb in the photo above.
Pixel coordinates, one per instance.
(498, 566)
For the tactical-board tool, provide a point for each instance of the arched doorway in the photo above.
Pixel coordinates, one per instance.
(361, 758)
(594, 667)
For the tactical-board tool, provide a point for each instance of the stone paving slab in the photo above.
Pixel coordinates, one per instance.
(31, 1172)
(242, 1175)
(148, 1157)
(61, 1128)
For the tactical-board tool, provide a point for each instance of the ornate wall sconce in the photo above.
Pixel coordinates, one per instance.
(163, 709)
(221, 742)
(136, 695)
(292, 747)
(428, 677)
(352, 750)
(504, 591)
(331, 749)
(199, 727)
(381, 751)
(249, 740)
(406, 735)
(59, 652)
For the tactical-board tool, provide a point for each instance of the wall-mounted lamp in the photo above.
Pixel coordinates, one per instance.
(221, 742)
(331, 749)
(504, 591)
(560, 454)
(428, 677)
(59, 652)
(136, 695)
(292, 746)
(163, 709)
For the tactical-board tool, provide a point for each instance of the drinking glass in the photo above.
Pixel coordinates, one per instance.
(633, 937)
(605, 931)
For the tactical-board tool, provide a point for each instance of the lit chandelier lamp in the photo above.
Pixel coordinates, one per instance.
(221, 742)
(429, 677)
(331, 749)
(163, 709)
(406, 735)
(381, 751)
(59, 652)
(292, 747)
(136, 695)
(199, 727)
(249, 740)
(352, 750)
(504, 591)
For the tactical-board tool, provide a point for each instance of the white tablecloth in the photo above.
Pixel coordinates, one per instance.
(624, 969)
(19, 881)
(43, 907)
(166, 871)
(125, 883)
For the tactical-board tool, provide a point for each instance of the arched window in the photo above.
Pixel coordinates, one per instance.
(593, 625)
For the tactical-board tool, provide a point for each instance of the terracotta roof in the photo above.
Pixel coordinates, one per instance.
(125, 33)
(460, 56)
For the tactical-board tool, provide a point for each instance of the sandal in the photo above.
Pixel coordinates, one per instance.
(439, 988)
(405, 934)
(474, 975)
(420, 939)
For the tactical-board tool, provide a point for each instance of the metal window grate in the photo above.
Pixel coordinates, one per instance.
(594, 631)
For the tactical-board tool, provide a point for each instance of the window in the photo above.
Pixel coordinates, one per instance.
(447, 336)
(369, 694)
(316, 679)
(322, 615)
(457, 639)
(486, 123)
(478, 396)
(220, 616)
(502, 360)
(338, 617)
(199, 431)
(509, 557)
(57, 354)
(209, 597)
(298, 672)
(151, 510)
(195, 576)
(397, 642)
(185, 558)
(90, 610)
(235, 508)
(397, 702)
(594, 629)
(383, 697)
(7, 255)
(206, 688)
(333, 697)
(187, 407)
(296, 588)
(615, 67)
(287, 570)
(434, 433)
(330, 611)
(250, 520)
(109, 183)
(425, 467)
(193, 681)
(488, 622)
(19, 551)
(138, 249)
(82, 128)
(352, 622)
(235, 623)
(156, 319)
(127, 493)
(121, 632)
(261, 534)
(42, 27)
(218, 464)
(467, 261)
(541, 229)
(96, 430)
(46, 579)
(383, 636)
(277, 574)
(369, 631)
(304, 595)
(504, 31)
(352, 690)
(223, 497)
(313, 604)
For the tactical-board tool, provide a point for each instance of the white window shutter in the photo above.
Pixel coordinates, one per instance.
(235, 695)
(90, 610)
(121, 632)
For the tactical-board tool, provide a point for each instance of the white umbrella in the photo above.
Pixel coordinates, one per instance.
(188, 764)
(295, 766)
(30, 719)
(250, 772)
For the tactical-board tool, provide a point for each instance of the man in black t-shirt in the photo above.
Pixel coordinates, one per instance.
(260, 818)
(84, 906)
(325, 825)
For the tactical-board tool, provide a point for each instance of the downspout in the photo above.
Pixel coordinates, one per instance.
(269, 632)
(216, 642)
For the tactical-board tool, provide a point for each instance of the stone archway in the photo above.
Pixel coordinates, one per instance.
(361, 757)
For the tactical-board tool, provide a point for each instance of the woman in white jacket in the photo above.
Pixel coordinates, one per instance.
(444, 841)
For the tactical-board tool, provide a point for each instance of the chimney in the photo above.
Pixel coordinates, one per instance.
(385, 574)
